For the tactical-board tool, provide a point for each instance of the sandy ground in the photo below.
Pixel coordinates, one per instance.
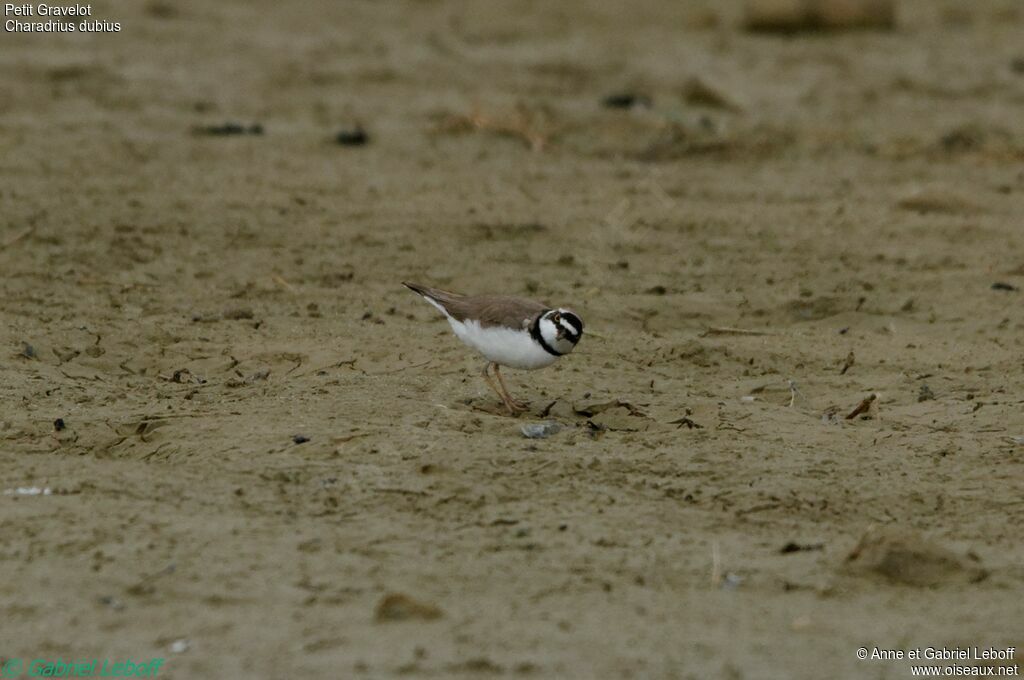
(188, 304)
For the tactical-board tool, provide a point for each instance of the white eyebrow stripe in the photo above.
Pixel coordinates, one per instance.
(571, 330)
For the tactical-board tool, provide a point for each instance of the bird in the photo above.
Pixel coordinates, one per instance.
(508, 331)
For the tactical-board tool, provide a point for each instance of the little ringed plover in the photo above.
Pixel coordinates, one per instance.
(507, 331)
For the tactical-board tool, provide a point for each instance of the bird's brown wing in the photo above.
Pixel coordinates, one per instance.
(497, 310)
(490, 310)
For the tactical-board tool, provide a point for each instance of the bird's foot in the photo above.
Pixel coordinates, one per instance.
(518, 404)
(515, 407)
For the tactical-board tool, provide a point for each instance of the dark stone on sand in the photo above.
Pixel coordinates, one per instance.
(626, 100)
(229, 129)
(356, 136)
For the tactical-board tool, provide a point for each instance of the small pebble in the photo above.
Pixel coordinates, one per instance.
(731, 581)
(230, 129)
(999, 285)
(58, 424)
(540, 430)
(112, 602)
(626, 100)
(793, 547)
(355, 137)
(300, 439)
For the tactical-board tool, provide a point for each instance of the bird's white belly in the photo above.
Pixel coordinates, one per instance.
(505, 346)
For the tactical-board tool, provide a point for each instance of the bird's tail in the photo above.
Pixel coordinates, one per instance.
(435, 296)
(432, 293)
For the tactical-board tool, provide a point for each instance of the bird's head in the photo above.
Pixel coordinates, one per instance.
(561, 329)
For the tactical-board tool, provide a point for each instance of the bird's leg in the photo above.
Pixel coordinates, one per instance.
(516, 404)
(494, 386)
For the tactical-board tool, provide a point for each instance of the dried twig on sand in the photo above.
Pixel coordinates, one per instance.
(848, 363)
(725, 330)
(863, 407)
(716, 565)
(594, 409)
(793, 393)
(699, 92)
(279, 280)
(17, 237)
(522, 125)
(687, 421)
